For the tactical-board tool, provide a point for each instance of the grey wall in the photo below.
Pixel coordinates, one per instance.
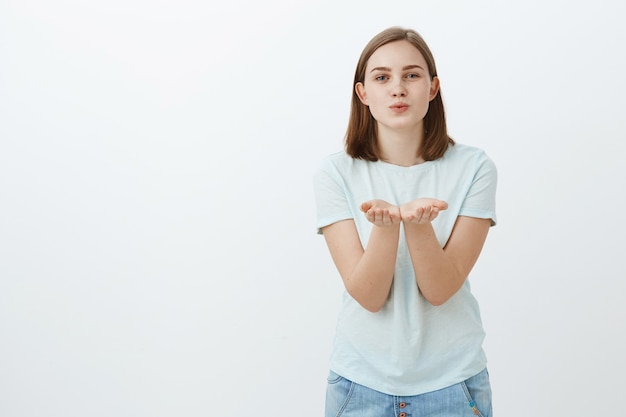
(158, 255)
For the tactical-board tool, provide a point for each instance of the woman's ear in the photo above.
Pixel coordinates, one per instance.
(359, 88)
(434, 88)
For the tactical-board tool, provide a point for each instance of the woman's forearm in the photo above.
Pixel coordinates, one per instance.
(370, 281)
(437, 276)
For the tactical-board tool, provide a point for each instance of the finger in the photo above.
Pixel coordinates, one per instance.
(385, 217)
(376, 215)
(441, 205)
(365, 206)
(418, 214)
(434, 213)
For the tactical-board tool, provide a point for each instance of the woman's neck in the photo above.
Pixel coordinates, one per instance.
(401, 148)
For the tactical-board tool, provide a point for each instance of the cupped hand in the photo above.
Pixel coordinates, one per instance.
(381, 213)
(422, 210)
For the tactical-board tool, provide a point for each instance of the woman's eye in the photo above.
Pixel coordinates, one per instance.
(381, 78)
(412, 76)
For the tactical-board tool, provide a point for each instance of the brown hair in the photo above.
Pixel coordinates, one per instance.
(362, 133)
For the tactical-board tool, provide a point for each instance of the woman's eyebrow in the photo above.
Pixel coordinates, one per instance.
(406, 67)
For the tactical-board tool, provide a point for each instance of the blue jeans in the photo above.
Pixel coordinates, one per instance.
(469, 398)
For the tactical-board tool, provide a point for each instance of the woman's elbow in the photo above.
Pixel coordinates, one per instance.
(437, 301)
(371, 305)
(437, 298)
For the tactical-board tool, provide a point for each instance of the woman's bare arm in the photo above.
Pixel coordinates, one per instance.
(440, 272)
(367, 273)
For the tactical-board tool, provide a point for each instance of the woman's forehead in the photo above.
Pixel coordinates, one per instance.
(394, 54)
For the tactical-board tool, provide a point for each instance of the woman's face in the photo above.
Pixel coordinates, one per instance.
(397, 87)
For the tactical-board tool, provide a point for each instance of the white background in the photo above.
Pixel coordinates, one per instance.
(158, 255)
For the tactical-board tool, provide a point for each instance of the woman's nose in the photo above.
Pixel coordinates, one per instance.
(398, 90)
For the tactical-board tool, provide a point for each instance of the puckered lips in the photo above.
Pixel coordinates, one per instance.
(399, 107)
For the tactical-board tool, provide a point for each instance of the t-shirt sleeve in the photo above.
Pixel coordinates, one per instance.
(330, 196)
(480, 200)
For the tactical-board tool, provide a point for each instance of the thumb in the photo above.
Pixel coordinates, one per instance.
(440, 204)
(366, 206)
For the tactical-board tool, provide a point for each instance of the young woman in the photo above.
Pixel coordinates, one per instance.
(405, 212)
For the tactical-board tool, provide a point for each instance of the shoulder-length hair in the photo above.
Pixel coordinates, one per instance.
(362, 133)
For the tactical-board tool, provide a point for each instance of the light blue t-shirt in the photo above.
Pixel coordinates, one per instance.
(409, 347)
